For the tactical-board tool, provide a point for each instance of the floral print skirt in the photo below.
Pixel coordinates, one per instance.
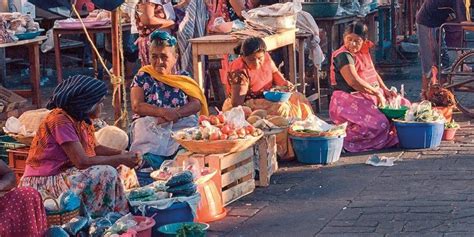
(368, 128)
(98, 186)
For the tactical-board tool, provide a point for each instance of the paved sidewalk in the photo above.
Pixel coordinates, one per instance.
(427, 193)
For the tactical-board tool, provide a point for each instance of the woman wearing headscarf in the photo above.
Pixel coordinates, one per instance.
(358, 92)
(21, 209)
(162, 102)
(64, 154)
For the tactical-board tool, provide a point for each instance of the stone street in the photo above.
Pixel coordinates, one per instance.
(427, 193)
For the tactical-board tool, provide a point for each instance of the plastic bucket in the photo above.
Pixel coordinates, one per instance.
(211, 206)
(172, 229)
(449, 133)
(144, 229)
(317, 150)
(415, 135)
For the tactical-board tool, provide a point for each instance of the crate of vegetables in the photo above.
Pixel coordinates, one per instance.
(217, 134)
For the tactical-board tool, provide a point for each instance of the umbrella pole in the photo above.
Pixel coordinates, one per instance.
(116, 64)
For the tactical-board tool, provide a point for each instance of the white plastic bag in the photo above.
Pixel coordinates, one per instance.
(148, 137)
(236, 117)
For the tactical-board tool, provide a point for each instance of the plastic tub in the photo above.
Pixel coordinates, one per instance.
(394, 113)
(321, 9)
(144, 230)
(416, 135)
(178, 212)
(317, 150)
(277, 96)
(172, 229)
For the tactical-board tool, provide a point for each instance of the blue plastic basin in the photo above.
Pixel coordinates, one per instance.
(178, 212)
(317, 150)
(276, 96)
(419, 135)
(172, 229)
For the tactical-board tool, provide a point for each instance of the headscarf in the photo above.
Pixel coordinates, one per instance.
(77, 95)
(164, 37)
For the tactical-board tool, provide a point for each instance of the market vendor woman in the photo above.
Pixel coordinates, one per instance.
(358, 92)
(254, 72)
(162, 102)
(64, 154)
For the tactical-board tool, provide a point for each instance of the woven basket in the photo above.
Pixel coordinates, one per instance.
(62, 217)
(22, 139)
(218, 147)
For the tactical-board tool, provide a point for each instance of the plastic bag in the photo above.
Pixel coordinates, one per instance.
(121, 225)
(148, 137)
(423, 112)
(69, 201)
(236, 117)
(192, 165)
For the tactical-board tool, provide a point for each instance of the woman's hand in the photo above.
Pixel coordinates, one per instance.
(131, 159)
(380, 99)
(389, 93)
(171, 115)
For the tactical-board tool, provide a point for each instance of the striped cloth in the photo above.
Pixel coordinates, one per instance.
(77, 95)
(192, 26)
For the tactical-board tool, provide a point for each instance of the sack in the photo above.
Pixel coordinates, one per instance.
(148, 137)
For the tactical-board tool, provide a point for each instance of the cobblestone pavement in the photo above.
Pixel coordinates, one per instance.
(427, 193)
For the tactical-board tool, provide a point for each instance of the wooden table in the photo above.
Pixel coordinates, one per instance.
(58, 31)
(225, 44)
(301, 37)
(33, 56)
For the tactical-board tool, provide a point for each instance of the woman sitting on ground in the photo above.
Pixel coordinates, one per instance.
(358, 92)
(21, 209)
(162, 100)
(64, 154)
(254, 72)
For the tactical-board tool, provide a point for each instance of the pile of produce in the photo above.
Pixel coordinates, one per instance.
(151, 192)
(14, 23)
(423, 113)
(216, 127)
(314, 126)
(181, 184)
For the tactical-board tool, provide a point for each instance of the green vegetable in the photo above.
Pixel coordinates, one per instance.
(188, 230)
(451, 124)
(180, 178)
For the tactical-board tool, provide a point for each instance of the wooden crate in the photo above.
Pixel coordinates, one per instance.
(235, 172)
(17, 158)
(17, 161)
(265, 159)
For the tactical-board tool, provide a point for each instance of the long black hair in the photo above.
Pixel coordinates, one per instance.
(250, 46)
(357, 28)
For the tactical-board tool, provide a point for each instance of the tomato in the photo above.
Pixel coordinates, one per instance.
(214, 120)
(241, 132)
(224, 136)
(250, 129)
(215, 136)
(226, 129)
(221, 118)
(203, 118)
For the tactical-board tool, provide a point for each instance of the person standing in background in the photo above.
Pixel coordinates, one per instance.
(432, 14)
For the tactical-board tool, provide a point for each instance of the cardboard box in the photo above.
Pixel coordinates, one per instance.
(10, 101)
